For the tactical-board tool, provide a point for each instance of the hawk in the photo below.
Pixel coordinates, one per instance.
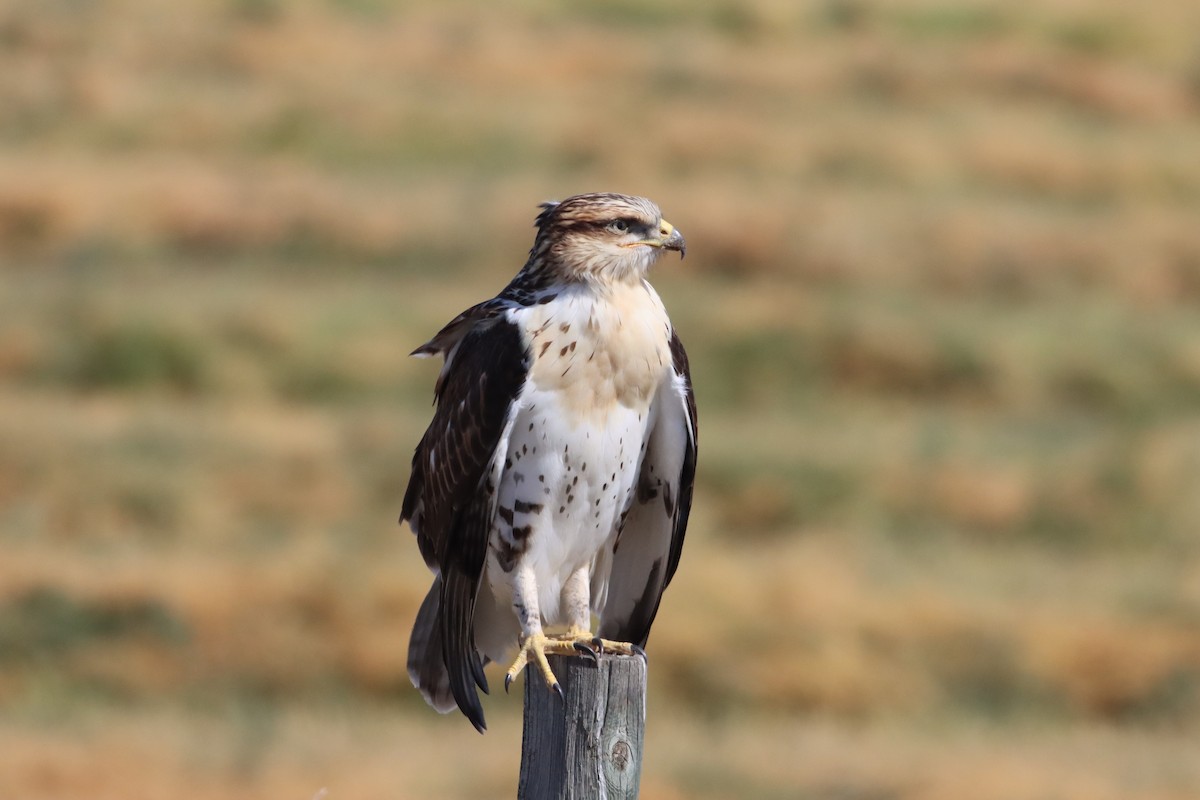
(555, 479)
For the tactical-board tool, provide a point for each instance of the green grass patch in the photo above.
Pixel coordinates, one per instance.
(132, 355)
(46, 622)
(952, 21)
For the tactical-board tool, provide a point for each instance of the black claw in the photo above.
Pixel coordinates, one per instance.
(507, 682)
(638, 651)
(598, 643)
(558, 688)
(584, 650)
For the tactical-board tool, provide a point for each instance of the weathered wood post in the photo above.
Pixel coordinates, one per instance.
(589, 743)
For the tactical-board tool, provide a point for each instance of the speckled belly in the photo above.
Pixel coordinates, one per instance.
(560, 503)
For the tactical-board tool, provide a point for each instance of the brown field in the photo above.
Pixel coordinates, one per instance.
(941, 304)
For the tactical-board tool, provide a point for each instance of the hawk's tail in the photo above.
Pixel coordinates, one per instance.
(426, 668)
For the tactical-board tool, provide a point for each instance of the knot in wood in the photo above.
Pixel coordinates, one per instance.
(621, 755)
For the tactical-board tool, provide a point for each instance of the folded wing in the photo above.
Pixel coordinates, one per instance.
(647, 549)
(450, 502)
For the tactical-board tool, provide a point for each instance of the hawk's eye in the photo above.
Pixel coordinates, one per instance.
(618, 226)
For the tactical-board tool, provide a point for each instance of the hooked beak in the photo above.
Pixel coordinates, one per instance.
(668, 239)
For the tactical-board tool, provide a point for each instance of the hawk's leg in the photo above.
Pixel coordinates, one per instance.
(535, 645)
(576, 601)
(576, 598)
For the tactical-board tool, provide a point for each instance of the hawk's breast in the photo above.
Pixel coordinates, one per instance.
(579, 436)
(600, 351)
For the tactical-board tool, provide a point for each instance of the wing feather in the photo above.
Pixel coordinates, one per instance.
(450, 496)
(649, 545)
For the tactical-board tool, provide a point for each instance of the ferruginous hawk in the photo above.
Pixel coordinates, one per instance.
(555, 479)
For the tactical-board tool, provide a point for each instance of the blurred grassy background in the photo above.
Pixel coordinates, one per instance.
(941, 308)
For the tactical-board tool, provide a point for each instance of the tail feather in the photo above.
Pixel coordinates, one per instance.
(444, 662)
(460, 658)
(426, 668)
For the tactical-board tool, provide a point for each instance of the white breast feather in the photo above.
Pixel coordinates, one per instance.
(578, 437)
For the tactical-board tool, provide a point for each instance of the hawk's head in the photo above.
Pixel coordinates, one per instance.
(604, 237)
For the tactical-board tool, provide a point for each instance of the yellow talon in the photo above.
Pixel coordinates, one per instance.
(620, 648)
(573, 642)
(533, 651)
(574, 636)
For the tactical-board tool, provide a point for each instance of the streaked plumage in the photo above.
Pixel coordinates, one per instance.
(555, 479)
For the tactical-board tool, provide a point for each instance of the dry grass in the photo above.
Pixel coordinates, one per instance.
(940, 306)
(245, 751)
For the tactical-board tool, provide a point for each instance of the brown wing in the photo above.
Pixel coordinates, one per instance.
(448, 501)
(648, 547)
(687, 476)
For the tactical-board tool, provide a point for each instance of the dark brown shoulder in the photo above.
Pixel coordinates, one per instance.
(474, 398)
(454, 330)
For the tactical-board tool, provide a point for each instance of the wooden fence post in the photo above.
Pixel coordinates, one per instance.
(588, 744)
